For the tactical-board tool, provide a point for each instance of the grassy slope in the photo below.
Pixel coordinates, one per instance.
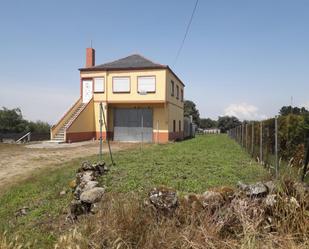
(189, 166)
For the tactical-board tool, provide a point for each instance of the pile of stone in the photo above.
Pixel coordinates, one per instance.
(264, 194)
(163, 199)
(86, 189)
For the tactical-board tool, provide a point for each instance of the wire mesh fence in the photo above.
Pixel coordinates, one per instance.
(280, 143)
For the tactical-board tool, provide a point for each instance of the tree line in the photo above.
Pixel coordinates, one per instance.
(12, 121)
(225, 123)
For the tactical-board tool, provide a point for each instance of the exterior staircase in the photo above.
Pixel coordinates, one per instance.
(60, 135)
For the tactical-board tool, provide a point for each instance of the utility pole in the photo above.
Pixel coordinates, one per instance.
(101, 142)
(103, 121)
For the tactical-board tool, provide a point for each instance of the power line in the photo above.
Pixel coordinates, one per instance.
(187, 30)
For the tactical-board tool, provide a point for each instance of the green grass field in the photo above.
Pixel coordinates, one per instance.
(189, 166)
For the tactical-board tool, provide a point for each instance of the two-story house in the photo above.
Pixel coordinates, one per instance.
(142, 100)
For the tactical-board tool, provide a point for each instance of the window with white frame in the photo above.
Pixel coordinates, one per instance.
(121, 84)
(99, 85)
(146, 84)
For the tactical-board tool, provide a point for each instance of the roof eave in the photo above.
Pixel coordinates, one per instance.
(96, 69)
(120, 69)
(175, 75)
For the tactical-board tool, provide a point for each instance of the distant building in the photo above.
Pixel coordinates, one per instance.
(212, 131)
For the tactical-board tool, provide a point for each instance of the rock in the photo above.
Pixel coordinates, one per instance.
(85, 167)
(211, 199)
(78, 208)
(242, 186)
(270, 200)
(94, 208)
(77, 192)
(62, 193)
(84, 186)
(85, 176)
(90, 185)
(99, 168)
(271, 186)
(163, 198)
(86, 190)
(258, 189)
(254, 190)
(92, 196)
(22, 211)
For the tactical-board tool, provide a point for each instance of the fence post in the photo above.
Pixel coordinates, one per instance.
(242, 134)
(239, 134)
(306, 161)
(252, 139)
(246, 136)
(276, 147)
(234, 133)
(261, 142)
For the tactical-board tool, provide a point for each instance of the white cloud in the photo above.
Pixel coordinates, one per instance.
(306, 105)
(244, 111)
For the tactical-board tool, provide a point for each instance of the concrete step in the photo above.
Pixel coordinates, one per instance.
(61, 132)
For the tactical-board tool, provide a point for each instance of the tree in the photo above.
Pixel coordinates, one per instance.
(11, 120)
(191, 110)
(207, 123)
(286, 110)
(226, 123)
(39, 127)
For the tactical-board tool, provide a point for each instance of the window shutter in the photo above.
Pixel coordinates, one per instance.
(121, 84)
(99, 84)
(146, 84)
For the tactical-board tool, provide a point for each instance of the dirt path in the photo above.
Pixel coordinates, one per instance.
(17, 162)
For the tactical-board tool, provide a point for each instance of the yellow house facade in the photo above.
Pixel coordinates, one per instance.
(142, 101)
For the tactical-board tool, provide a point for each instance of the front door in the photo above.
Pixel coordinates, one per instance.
(87, 90)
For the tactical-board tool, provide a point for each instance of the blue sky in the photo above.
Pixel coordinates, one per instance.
(241, 57)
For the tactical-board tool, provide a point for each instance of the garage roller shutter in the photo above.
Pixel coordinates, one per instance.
(133, 124)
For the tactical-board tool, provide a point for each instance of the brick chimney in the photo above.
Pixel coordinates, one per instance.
(90, 57)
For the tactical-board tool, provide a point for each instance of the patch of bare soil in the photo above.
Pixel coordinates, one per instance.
(17, 162)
